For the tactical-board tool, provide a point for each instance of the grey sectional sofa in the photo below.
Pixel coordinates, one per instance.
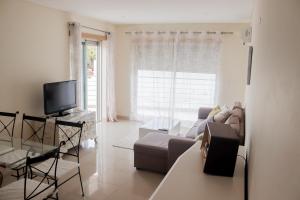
(157, 151)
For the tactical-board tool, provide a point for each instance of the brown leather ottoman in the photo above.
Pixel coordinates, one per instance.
(151, 152)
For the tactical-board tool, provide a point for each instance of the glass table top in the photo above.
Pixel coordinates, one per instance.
(14, 151)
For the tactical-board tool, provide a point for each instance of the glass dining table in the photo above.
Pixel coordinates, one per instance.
(14, 151)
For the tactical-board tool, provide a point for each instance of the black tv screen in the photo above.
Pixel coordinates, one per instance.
(59, 96)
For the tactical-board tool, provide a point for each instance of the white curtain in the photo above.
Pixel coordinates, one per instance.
(173, 73)
(111, 113)
(75, 56)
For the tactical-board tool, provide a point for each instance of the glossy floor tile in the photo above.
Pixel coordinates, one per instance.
(107, 171)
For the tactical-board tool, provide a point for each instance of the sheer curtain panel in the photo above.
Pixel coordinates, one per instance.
(110, 79)
(75, 56)
(173, 73)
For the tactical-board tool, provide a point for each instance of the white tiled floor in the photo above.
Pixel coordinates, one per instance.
(108, 171)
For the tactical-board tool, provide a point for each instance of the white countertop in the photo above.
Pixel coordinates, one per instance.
(186, 180)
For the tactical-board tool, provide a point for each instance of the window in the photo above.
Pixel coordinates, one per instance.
(173, 74)
(190, 90)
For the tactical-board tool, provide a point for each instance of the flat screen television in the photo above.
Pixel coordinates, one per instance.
(59, 97)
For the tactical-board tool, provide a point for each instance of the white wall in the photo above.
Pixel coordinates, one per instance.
(233, 70)
(33, 50)
(233, 61)
(273, 102)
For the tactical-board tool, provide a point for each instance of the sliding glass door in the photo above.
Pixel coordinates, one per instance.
(174, 94)
(92, 77)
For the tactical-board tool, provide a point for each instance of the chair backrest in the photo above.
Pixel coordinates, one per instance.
(71, 134)
(33, 129)
(32, 164)
(7, 125)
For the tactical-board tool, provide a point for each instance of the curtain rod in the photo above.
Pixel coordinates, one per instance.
(208, 32)
(106, 32)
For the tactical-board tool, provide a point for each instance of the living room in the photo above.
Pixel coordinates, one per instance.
(152, 81)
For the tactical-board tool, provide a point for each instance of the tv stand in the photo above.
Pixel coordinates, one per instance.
(61, 114)
(88, 131)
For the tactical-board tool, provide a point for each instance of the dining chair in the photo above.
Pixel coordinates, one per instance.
(28, 189)
(7, 125)
(33, 130)
(67, 169)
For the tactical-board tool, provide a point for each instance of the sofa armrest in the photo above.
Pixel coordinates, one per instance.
(203, 112)
(176, 147)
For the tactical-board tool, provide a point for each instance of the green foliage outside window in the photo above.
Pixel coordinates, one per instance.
(91, 57)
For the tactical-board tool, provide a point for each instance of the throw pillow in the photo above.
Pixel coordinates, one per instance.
(223, 115)
(214, 111)
(192, 133)
(202, 125)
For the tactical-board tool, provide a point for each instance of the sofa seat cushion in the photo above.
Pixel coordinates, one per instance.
(154, 144)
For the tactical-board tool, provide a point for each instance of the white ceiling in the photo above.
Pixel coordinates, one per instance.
(157, 11)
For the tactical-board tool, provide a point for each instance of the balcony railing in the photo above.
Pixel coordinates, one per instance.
(92, 93)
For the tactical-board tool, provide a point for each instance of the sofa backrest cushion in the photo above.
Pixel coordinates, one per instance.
(237, 122)
(223, 115)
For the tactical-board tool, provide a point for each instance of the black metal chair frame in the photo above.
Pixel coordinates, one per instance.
(5, 129)
(31, 164)
(35, 135)
(35, 131)
(76, 147)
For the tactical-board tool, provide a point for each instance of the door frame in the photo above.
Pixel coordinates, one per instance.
(85, 43)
